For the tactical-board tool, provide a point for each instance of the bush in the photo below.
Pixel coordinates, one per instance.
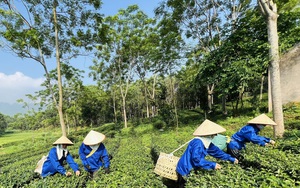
(167, 115)
(3, 124)
(159, 124)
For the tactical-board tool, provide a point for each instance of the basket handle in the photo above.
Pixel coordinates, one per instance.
(181, 146)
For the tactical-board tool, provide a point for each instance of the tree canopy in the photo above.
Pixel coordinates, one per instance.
(209, 56)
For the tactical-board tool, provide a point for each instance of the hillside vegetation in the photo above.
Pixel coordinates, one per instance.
(136, 149)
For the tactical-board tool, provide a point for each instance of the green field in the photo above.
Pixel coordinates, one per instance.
(136, 149)
(12, 140)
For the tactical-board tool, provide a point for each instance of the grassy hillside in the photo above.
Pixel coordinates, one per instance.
(136, 149)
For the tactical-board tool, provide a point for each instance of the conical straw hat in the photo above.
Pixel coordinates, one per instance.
(93, 138)
(63, 140)
(262, 120)
(208, 128)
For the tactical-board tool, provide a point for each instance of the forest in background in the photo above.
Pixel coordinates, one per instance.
(207, 57)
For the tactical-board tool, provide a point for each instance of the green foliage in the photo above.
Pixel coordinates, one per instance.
(233, 63)
(288, 29)
(167, 115)
(159, 124)
(136, 150)
(288, 5)
(190, 116)
(3, 124)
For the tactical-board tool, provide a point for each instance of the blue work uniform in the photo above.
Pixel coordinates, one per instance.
(93, 162)
(194, 157)
(248, 133)
(53, 165)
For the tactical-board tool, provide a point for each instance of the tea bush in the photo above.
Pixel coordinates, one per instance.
(135, 151)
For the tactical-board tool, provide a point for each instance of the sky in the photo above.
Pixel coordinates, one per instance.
(19, 77)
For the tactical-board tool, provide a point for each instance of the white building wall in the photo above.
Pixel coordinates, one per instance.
(290, 75)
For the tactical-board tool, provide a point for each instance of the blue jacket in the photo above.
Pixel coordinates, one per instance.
(194, 157)
(52, 165)
(96, 160)
(248, 133)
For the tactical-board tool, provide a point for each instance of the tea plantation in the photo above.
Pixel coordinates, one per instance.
(136, 149)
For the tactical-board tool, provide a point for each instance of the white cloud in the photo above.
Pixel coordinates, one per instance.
(16, 86)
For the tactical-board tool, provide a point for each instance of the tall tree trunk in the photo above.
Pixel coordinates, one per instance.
(124, 111)
(60, 103)
(152, 96)
(269, 10)
(145, 92)
(146, 99)
(224, 110)
(261, 88)
(114, 105)
(210, 90)
(172, 92)
(175, 105)
(270, 107)
(124, 91)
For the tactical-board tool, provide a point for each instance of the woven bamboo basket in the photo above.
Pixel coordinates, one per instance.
(166, 166)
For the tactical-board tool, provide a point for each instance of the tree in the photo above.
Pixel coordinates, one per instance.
(188, 96)
(146, 63)
(126, 53)
(206, 23)
(269, 11)
(95, 104)
(243, 58)
(70, 27)
(3, 124)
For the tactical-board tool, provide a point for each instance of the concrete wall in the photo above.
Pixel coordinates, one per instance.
(290, 75)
